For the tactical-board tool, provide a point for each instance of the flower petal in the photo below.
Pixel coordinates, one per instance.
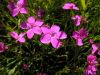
(45, 29)
(23, 11)
(76, 35)
(15, 12)
(45, 39)
(20, 2)
(21, 35)
(76, 8)
(55, 28)
(30, 34)
(38, 23)
(94, 48)
(79, 42)
(31, 20)
(11, 6)
(61, 35)
(24, 25)
(37, 30)
(56, 43)
(21, 40)
(14, 35)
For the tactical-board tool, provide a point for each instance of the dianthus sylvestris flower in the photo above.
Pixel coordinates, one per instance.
(91, 68)
(3, 47)
(91, 41)
(20, 38)
(80, 35)
(77, 19)
(19, 7)
(52, 35)
(25, 66)
(91, 59)
(72, 6)
(96, 48)
(11, 6)
(33, 26)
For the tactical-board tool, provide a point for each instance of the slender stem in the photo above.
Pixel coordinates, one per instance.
(83, 4)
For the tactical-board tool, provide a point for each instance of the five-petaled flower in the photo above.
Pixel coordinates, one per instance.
(91, 59)
(91, 66)
(3, 47)
(80, 35)
(20, 38)
(68, 6)
(77, 19)
(33, 26)
(90, 70)
(19, 7)
(53, 35)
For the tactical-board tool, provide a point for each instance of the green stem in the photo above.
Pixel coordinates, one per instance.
(83, 4)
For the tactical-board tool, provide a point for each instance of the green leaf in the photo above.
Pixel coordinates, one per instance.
(12, 71)
(83, 4)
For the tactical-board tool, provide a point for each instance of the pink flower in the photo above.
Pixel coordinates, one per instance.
(25, 66)
(80, 35)
(3, 47)
(11, 6)
(52, 35)
(90, 70)
(40, 12)
(91, 59)
(19, 7)
(68, 6)
(96, 48)
(17, 37)
(33, 27)
(77, 19)
(91, 41)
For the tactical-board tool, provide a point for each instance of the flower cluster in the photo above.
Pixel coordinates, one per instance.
(92, 59)
(79, 36)
(48, 34)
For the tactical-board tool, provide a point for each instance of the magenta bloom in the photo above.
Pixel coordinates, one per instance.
(11, 6)
(33, 27)
(91, 59)
(96, 48)
(20, 38)
(19, 7)
(25, 66)
(72, 6)
(80, 35)
(90, 70)
(91, 41)
(52, 35)
(77, 19)
(3, 47)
